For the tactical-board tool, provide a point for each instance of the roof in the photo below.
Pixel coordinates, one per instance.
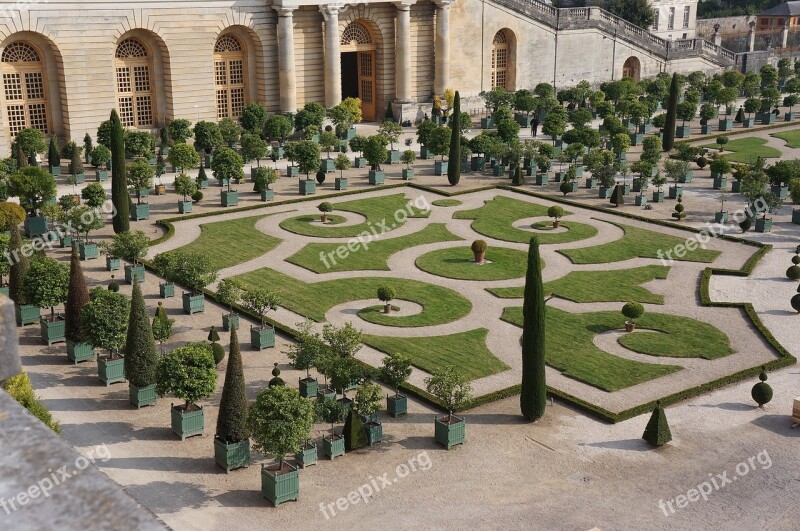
(789, 9)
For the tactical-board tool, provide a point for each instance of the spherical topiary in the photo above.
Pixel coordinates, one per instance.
(555, 211)
(793, 272)
(113, 285)
(218, 351)
(796, 259)
(325, 207)
(679, 213)
(762, 392)
(277, 380)
(197, 196)
(479, 246)
(632, 310)
(702, 162)
(386, 293)
(565, 187)
(746, 224)
(796, 301)
(321, 176)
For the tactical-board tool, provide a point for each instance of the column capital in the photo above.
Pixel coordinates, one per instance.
(404, 5)
(332, 9)
(444, 4)
(284, 11)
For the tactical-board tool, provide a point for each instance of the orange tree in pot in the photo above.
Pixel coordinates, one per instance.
(385, 295)
(453, 391)
(555, 212)
(325, 207)
(632, 310)
(479, 250)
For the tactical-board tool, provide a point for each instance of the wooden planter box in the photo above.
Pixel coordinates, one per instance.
(232, 456)
(280, 488)
(111, 371)
(706, 129)
(440, 167)
(796, 216)
(477, 163)
(325, 393)
(449, 435)
(726, 125)
(101, 176)
(267, 195)
(604, 192)
(397, 406)
(307, 455)
(340, 183)
(65, 241)
(308, 387)
(720, 217)
(720, 183)
(230, 321)
(376, 177)
(360, 162)
(748, 122)
(591, 183)
(142, 396)
(113, 264)
(658, 197)
(332, 446)
(636, 138)
(292, 171)
(307, 186)
(780, 191)
(763, 225)
(52, 331)
(327, 165)
(88, 251)
(35, 226)
(187, 424)
(228, 199)
(542, 179)
(736, 186)
(682, 131)
(184, 207)
(78, 352)
(393, 156)
(374, 431)
(262, 338)
(498, 170)
(134, 272)
(140, 212)
(203, 184)
(675, 192)
(166, 290)
(640, 200)
(408, 174)
(194, 303)
(27, 314)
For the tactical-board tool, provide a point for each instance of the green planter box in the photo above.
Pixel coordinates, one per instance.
(682, 131)
(374, 431)
(348, 134)
(101, 176)
(78, 352)
(27, 314)
(604, 192)
(477, 163)
(262, 338)
(65, 242)
(763, 225)
(591, 183)
(636, 138)
(5, 291)
(228, 199)
(52, 332)
(55, 170)
(140, 212)
(307, 455)
(280, 488)
(111, 371)
(142, 396)
(449, 435)
(332, 446)
(675, 192)
(397, 406)
(788, 117)
(267, 195)
(113, 264)
(573, 186)
(308, 387)
(202, 184)
(640, 200)
(768, 118)
(232, 456)
(687, 178)
(498, 170)
(725, 125)
(340, 183)
(184, 207)
(376, 177)
(748, 122)
(645, 129)
(780, 191)
(393, 156)
(327, 165)
(88, 251)
(706, 129)
(194, 303)
(524, 120)
(230, 321)
(796, 216)
(325, 392)
(408, 174)
(187, 424)
(658, 197)
(542, 179)
(292, 171)
(360, 162)
(720, 183)
(721, 217)
(166, 290)
(487, 123)
(424, 154)
(278, 152)
(35, 226)
(132, 272)
(307, 186)
(207, 157)
(736, 186)
(559, 176)
(440, 167)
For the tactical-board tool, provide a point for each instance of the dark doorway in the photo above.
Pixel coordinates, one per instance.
(350, 75)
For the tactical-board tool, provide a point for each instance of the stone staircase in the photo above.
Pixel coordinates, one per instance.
(575, 18)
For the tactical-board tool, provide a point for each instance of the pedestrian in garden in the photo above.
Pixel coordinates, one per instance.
(535, 124)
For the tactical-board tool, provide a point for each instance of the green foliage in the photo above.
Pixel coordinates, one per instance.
(162, 324)
(632, 310)
(278, 127)
(307, 156)
(104, 134)
(261, 301)
(105, 319)
(53, 156)
(439, 141)
(672, 109)
(533, 397)
(368, 399)
(131, 246)
(119, 184)
(33, 186)
(375, 151)
(11, 214)
(187, 372)
(328, 142)
(218, 351)
(395, 370)
(479, 246)
(31, 141)
(263, 178)
(140, 347)
(450, 387)
(18, 269)
(556, 212)
(279, 421)
(85, 219)
(386, 293)
(229, 130)
(47, 283)
(454, 169)
(342, 162)
(762, 391)
(253, 147)
(184, 185)
(100, 156)
(138, 144)
(355, 436)
(253, 117)
(657, 431)
(227, 164)
(207, 136)
(325, 207)
(180, 129)
(19, 387)
(183, 157)
(307, 349)
(233, 406)
(192, 269)
(140, 177)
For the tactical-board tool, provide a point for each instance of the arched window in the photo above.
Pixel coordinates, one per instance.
(356, 33)
(24, 88)
(500, 58)
(134, 89)
(229, 77)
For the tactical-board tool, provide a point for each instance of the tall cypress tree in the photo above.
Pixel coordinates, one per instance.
(454, 158)
(53, 156)
(77, 297)
(119, 180)
(533, 398)
(232, 419)
(140, 347)
(19, 267)
(672, 110)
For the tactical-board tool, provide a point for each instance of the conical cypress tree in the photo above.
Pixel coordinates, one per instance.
(19, 268)
(22, 160)
(672, 109)
(533, 398)
(140, 347)
(616, 196)
(87, 148)
(119, 180)
(354, 435)
(53, 156)
(657, 431)
(77, 297)
(454, 158)
(232, 419)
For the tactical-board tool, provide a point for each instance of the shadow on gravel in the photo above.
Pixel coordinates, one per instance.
(728, 406)
(635, 445)
(164, 497)
(184, 465)
(780, 424)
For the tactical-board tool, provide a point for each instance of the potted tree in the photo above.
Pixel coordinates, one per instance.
(325, 208)
(641, 183)
(375, 153)
(751, 105)
(261, 302)
(423, 137)
(105, 321)
(790, 101)
(78, 348)
(707, 112)
(722, 215)
(408, 158)
(160, 170)
(675, 170)
(227, 167)
(391, 130)
(84, 219)
(479, 250)
(556, 212)
(385, 295)
(195, 271)
(207, 137)
(303, 355)
(632, 310)
(323, 362)
(229, 293)
(34, 187)
(291, 155)
(140, 353)
(253, 148)
(719, 168)
(162, 326)
(279, 421)
(328, 142)
(453, 392)
(100, 159)
(264, 177)
(30, 142)
(330, 410)
(658, 181)
(162, 264)
(94, 195)
(308, 157)
(188, 373)
(395, 371)
(357, 145)
(46, 286)
(140, 179)
(439, 145)
(232, 438)
(25, 313)
(367, 404)
(277, 128)
(342, 163)
(113, 263)
(131, 246)
(185, 187)
(183, 157)
(54, 157)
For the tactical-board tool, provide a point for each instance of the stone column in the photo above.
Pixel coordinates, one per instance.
(286, 74)
(785, 35)
(751, 37)
(333, 55)
(403, 52)
(442, 47)
(717, 38)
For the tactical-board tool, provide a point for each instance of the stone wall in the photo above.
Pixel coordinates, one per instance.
(734, 31)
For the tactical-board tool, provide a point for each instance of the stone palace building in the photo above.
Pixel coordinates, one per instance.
(66, 64)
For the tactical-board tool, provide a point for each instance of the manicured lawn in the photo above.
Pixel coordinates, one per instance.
(621, 285)
(383, 214)
(635, 243)
(466, 352)
(680, 337)
(458, 263)
(747, 149)
(791, 137)
(569, 348)
(370, 255)
(440, 305)
(227, 243)
(496, 217)
(447, 202)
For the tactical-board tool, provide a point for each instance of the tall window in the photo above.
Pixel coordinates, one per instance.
(686, 11)
(24, 88)
(229, 76)
(134, 89)
(500, 60)
(671, 20)
(655, 19)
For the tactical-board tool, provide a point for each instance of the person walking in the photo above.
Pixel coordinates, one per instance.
(535, 125)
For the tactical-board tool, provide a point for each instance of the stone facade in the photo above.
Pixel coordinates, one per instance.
(675, 19)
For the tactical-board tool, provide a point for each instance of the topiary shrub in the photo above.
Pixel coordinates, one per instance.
(218, 351)
(679, 213)
(354, 435)
(796, 301)
(657, 431)
(321, 176)
(632, 310)
(762, 391)
(793, 272)
(701, 162)
(197, 196)
(113, 285)
(479, 246)
(555, 212)
(325, 207)
(745, 224)
(386, 293)
(276, 377)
